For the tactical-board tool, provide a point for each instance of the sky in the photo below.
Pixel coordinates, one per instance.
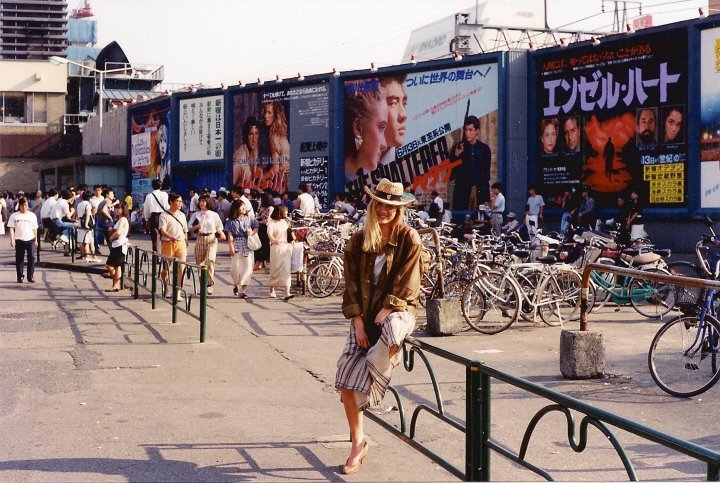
(214, 41)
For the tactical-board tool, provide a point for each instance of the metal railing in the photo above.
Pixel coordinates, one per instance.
(72, 246)
(152, 272)
(478, 439)
(633, 273)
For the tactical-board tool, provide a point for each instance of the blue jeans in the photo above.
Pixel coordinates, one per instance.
(565, 222)
(63, 226)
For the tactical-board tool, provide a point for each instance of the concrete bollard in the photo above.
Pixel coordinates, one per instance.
(582, 354)
(444, 316)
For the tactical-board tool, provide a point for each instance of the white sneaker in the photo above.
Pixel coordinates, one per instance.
(210, 290)
(179, 297)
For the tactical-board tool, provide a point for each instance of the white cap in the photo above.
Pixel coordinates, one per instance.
(213, 194)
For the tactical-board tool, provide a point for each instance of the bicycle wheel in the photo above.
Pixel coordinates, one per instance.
(559, 298)
(528, 279)
(686, 296)
(490, 303)
(608, 279)
(323, 279)
(683, 358)
(651, 299)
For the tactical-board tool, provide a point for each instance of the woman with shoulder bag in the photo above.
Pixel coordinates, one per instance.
(280, 251)
(238, 227)
(382, 277)
(85, 233)
(118, 246)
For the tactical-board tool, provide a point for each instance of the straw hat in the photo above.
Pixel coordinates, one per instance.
(389, 193)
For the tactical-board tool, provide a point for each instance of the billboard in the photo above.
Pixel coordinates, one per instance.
(710, 118)
(201, 130)
(150, 153)
(278, 130)
(613, 117)
(409, 127)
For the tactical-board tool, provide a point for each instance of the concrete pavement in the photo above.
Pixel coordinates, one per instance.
(99, 387)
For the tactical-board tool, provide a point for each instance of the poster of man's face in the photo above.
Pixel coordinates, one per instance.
(646, 134)
(571, 133)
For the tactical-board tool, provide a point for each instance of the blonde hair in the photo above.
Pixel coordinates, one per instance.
(372, 236)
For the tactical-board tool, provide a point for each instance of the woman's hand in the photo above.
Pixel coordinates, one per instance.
(360, 334)
(382, 315)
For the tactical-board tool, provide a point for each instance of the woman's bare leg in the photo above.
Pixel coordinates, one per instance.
(355, 422)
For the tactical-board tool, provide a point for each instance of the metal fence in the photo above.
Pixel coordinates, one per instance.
(162, 277)
(479, 442)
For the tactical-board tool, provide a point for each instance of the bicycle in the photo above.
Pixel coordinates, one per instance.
(683, 355)
(491, 302)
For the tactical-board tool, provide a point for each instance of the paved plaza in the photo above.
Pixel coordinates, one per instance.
(100, 387)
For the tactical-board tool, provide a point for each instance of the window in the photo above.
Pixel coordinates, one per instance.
(23, 107)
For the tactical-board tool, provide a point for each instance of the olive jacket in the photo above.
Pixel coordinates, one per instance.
(398, 286)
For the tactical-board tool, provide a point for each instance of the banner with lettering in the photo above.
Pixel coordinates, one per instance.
(279, 131)
(437, 130)
(201, 129)
(150, 154)
(612, 117)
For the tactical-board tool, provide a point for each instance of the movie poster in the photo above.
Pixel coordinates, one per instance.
(710, 118)
(613, 118)
(201, 129)
(412, 128)
(279, 130)
(150, 156)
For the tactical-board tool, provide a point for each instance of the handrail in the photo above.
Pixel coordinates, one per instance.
(633, 273)
(138, 262)
(478, 440)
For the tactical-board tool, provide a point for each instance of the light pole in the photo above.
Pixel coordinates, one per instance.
(55, 60)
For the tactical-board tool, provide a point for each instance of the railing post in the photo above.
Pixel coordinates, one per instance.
(174, 290)
(203, 300)
(713, 472)
(73, 244)
(473, 422)
(38, 238)
(153, 282)
(136, 278)
(485, 427)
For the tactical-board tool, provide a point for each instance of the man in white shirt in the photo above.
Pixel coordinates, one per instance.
(61, 214)
(534, 211)
(47, 207)
(314, 195)
(246, 201)
(173, 230)
(95, 201)
(23, 237)
(305, 201)
(156, 202)
(193, 198)
(497, 208)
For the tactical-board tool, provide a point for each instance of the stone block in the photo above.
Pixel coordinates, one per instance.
(444, 316)
(582, 354)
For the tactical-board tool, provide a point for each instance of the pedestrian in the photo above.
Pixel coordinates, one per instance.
(267, 206)
(239, 226)
(23, 227)
(382, 277)
(173, 230)
(497, 208)
(280, 252)
(85, 233)
(534, 210)
(118, 241)
(156, 202)
(208, 225)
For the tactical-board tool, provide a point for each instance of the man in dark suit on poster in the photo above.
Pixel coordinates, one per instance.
(474, 169)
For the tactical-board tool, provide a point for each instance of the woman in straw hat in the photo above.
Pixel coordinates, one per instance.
(382, 276)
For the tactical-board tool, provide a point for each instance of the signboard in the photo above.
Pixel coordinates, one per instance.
(150, 155)
(201, 129)
(412, 128)
(710, 118)
(613, 118)
(279, 130)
